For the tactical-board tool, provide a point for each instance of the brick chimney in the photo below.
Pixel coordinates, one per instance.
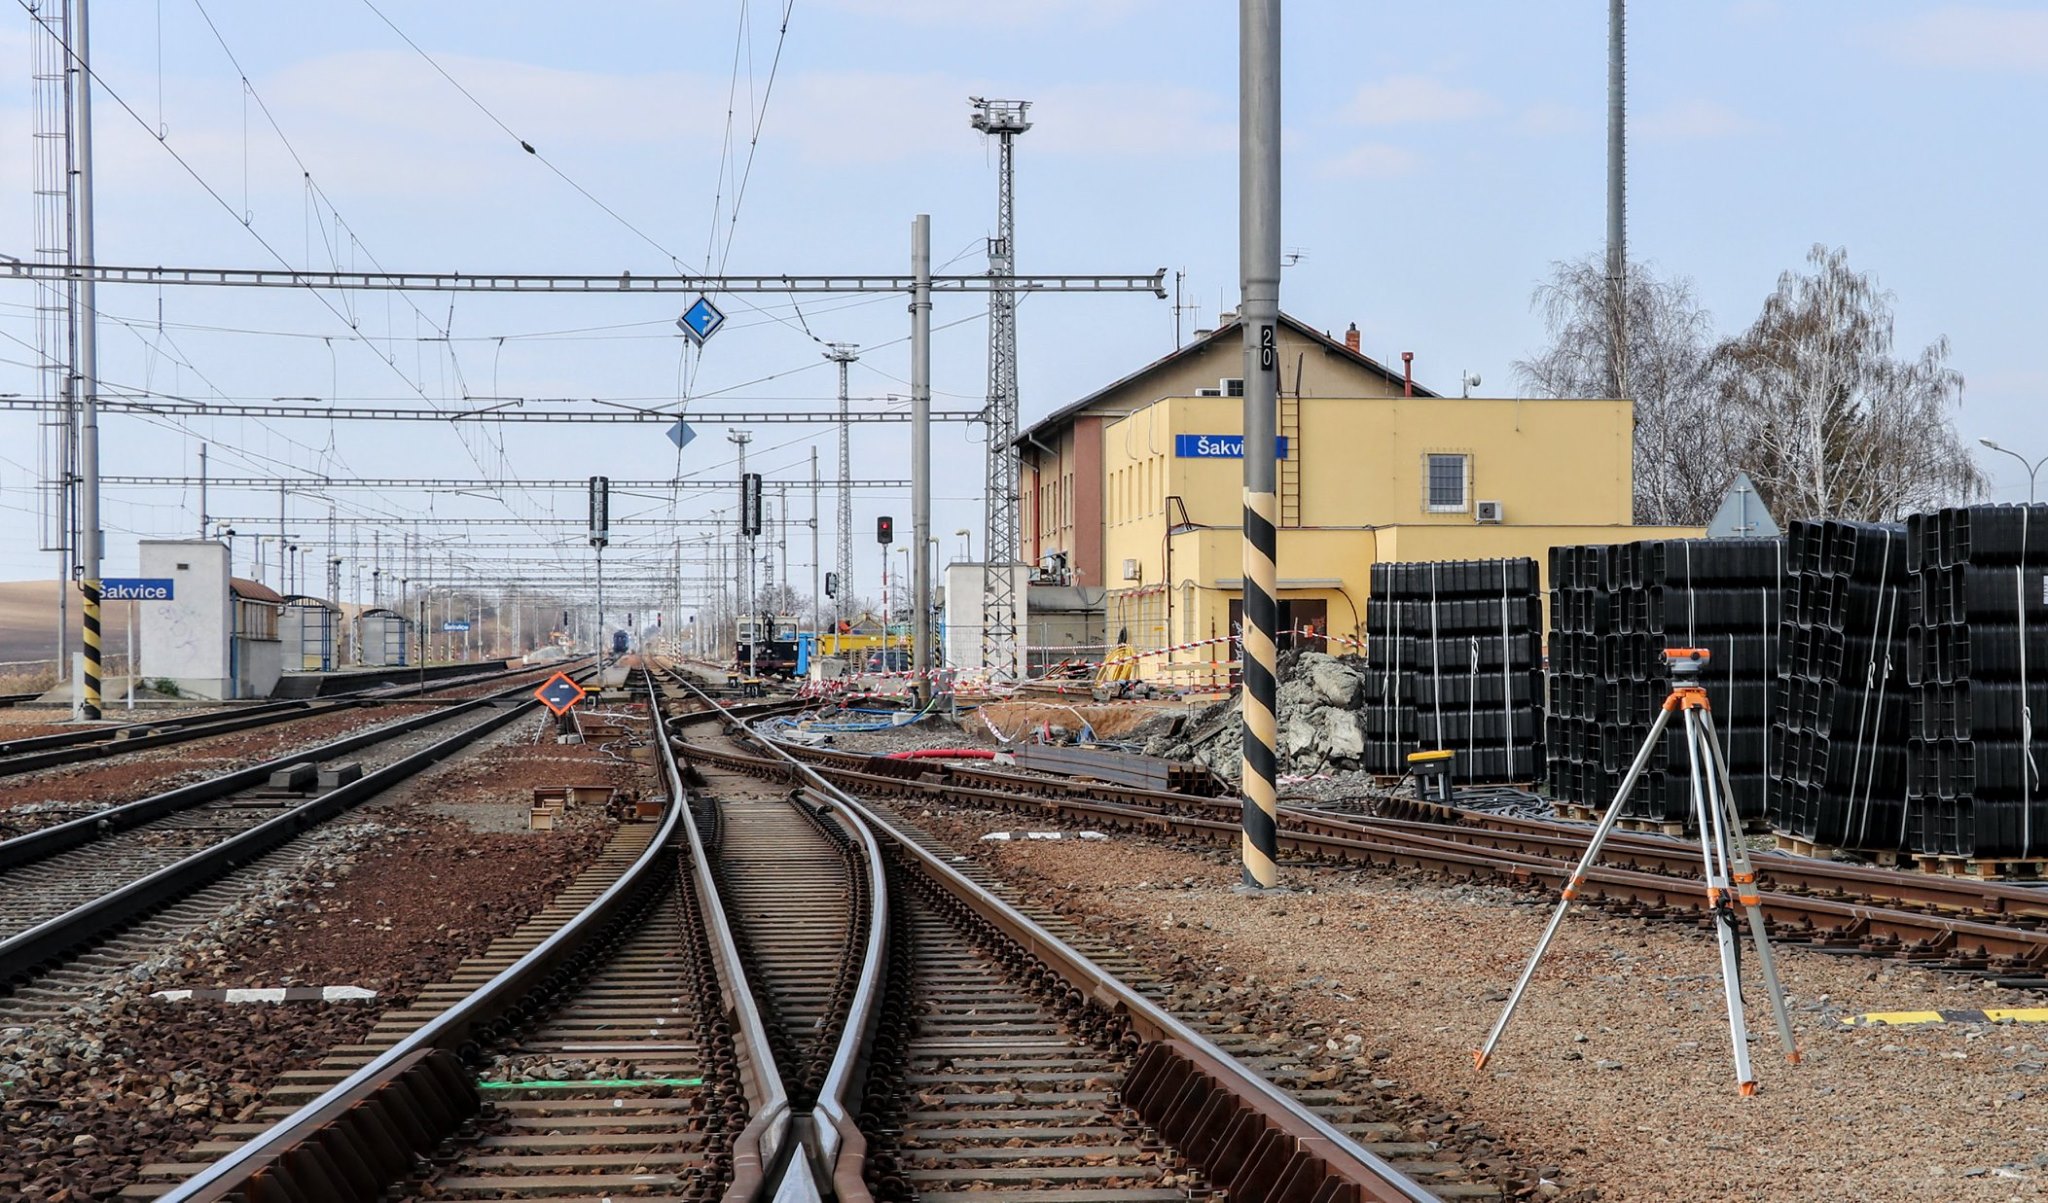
(1351, 339)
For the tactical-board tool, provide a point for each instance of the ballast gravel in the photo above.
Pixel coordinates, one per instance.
(1616, 1077)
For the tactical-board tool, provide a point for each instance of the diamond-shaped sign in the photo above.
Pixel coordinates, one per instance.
(558, 693)
(681, 434)
(701, 320)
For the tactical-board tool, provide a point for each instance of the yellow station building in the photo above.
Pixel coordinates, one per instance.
(1374, 469)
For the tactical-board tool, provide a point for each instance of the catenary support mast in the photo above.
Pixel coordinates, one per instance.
(1259, 269)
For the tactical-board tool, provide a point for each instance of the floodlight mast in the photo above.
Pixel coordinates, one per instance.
(1003, 120)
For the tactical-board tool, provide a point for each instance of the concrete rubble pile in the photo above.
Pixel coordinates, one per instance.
(1320, 727)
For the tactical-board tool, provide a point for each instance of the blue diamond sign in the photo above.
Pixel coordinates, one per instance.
(680, 434)
(559, 693)
(701, 320)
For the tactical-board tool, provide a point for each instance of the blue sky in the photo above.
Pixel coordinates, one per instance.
(1438, 158)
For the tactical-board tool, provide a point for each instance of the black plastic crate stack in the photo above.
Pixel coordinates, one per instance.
(1978, 664)
(1581, 617)
(1719, 594)
(1840, 749)
(1453, 649)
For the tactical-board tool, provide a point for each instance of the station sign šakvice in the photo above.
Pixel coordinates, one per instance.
(1218, 446)
(138, 588)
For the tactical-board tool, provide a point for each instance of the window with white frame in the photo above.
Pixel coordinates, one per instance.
(1446, 482)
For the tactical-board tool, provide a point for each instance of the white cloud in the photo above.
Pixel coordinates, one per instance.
(1973, 37)
(1691, 121)
(1416, 99)
(1371, 160)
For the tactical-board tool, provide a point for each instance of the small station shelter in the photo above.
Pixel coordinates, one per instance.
(217, 635)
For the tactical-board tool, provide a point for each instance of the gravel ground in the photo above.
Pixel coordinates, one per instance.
(96, 784)
(1616, 1074)
(390, 899)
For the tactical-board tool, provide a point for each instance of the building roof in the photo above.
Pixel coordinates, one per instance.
(254, 590)
(1226, 330)
(308, 600)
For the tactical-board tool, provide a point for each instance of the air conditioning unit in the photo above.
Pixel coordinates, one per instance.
(1131, 570)
(1208, 392)
(1486, 511)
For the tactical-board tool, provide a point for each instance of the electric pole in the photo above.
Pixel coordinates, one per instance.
(921, 454)
(87, 386)
(843, 354)
(1258, 228)
(1617, 198)
(1005, 120)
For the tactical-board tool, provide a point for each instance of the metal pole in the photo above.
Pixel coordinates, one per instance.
(283, 586)
(844, 354)
(1259, 268)
(1617, 175)
(920, 448)
(202, 490)
(817, 568)
(88, 371)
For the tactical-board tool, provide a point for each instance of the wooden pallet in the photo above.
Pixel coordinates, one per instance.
(1572, 810)
(1798, 847)
(1651, 826)
(1988, 869)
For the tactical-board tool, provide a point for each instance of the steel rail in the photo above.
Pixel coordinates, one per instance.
(21, 953)
(1295, 1139)
(837, 1139)
(462, 1023)
(762, 1140)
(39, 845)
(1823, 921)
(2020, 903)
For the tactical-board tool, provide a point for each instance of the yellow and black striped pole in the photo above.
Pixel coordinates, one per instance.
(90, 610)
(1259, 267)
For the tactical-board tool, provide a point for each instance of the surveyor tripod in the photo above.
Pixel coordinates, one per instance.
(1731, 880)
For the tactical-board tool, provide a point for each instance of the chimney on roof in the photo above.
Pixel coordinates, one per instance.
(1407, 373)
(1351, 339)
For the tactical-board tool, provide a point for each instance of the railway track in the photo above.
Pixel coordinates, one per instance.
(863, 1022)
(87, 744)
(1998, 930)
(63, 888)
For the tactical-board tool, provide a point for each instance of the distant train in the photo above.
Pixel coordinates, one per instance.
(767, 645)
(620, 642)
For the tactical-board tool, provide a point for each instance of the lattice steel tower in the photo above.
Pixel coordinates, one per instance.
(1004, 119)
(843, 354)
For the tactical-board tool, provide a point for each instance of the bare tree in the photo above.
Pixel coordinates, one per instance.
(1828, 423)
(1682, 462)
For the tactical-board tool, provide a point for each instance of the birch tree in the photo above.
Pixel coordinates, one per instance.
(1830, 424)
(1682, 463)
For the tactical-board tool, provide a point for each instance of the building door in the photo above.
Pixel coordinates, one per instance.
(1304, 625)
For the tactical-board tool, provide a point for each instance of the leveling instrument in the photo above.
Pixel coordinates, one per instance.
(1731, 880)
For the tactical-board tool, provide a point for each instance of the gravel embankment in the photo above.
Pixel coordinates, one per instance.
(1616, 1074)
(391, 899)
(96, 784)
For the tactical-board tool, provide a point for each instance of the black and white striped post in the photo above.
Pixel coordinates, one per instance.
(1259, 270)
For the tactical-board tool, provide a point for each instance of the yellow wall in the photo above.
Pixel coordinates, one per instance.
(1561, 470)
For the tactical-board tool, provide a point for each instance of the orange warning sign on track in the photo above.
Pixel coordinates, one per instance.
(558, 693)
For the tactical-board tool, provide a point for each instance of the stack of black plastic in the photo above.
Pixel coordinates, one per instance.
(1839, 751)
(1978, 664)
(1719, 594)
(1581, 620)
(1454, 651)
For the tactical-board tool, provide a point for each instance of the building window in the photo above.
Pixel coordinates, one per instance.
(1447, 483)
(1233, 386)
